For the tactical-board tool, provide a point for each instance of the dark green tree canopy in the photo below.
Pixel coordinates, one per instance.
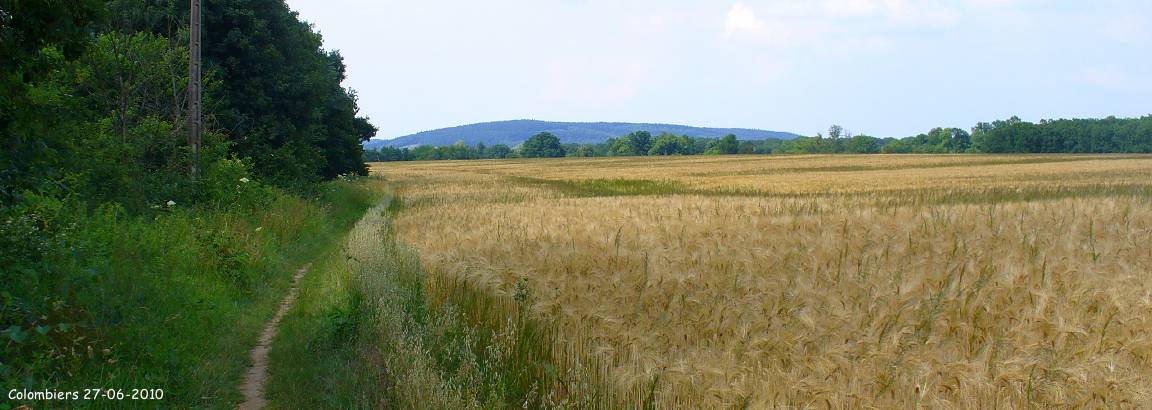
(95, 92)
(542, 145)
(728, 145)
(668, 144)
(36, 38)
(280, 95)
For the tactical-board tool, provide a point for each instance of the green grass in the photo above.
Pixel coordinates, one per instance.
(607, 187)
(1004, 160)
(170, 300)
(888, 198)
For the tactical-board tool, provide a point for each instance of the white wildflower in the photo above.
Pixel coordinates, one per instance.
(244, 180)
(171, 203)
(259, 228)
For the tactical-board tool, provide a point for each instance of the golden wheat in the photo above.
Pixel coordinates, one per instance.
(817, 281)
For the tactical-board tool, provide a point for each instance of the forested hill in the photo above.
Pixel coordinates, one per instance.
(517, 131)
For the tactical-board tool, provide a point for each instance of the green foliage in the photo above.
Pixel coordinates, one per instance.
(622, 147)
(35, 38)
(280, 93)
(609, 187)
(229, 184)
(170, 299)
(936, 141)
(725, 146)
(127, 121)
(632, 144)
(862, 144)
(584, 150)
(500, 151)
(640, 141)
(668, 144)
(542, 145)
(1133, 135)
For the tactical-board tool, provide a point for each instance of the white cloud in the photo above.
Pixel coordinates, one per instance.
(742, 20)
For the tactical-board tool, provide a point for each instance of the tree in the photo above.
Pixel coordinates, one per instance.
(280, 96)
(621, 147)
(36, 37)
(499, 151)
(835, 132)
(728, 145)
(641, 142)
(542, 145)
(668, 144)
(862, 144)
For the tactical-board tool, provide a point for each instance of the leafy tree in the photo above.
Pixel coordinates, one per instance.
(746, 148)
(280, 98)
(542, 145)
(728, 145)
(862, 144)
(621, 147)
(668, 144)
(36, 37)
(835, 132)
(499, 151)
(641, 142)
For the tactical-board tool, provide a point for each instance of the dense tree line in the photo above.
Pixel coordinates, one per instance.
(1109, 135)
(1076, 136)
(94, 97)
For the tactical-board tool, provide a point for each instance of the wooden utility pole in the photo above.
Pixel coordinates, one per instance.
(195, 123)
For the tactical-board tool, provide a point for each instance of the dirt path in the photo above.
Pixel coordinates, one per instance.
(254, 381)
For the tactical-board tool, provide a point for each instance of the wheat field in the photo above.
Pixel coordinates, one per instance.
(815, 281)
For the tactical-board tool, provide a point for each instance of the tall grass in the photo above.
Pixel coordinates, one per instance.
(169, 300)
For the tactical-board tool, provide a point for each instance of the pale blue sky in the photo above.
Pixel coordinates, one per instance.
(877, 67)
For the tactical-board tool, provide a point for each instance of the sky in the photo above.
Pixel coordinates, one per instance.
(886, 68)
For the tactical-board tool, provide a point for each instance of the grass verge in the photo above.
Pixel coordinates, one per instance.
(171, 300)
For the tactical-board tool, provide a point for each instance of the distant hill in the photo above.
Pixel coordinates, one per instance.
(515, 132)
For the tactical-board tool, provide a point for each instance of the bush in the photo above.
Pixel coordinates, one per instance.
(228, 184)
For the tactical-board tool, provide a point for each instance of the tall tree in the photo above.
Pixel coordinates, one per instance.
(280, 100)
(728, 145)
(542, 145)
(641, 142)
(835, 132)
(35, 38)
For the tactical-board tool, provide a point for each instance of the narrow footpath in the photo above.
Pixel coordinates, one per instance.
(257, 377)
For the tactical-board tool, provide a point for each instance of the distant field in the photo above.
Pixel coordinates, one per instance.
(815, 281)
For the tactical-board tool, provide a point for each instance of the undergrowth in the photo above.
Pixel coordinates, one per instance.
(170, 298)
